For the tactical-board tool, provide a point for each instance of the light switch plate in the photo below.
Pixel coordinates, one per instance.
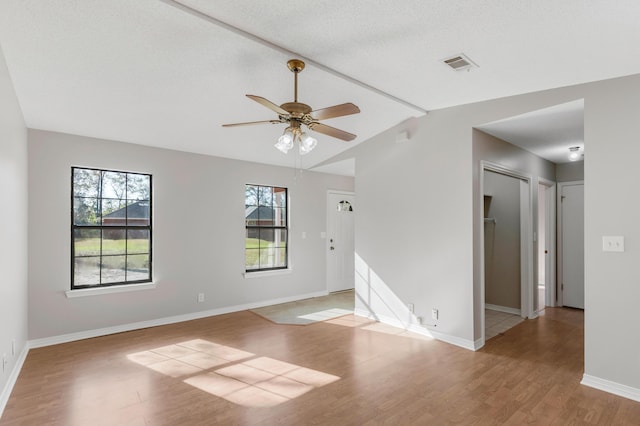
(613, 244)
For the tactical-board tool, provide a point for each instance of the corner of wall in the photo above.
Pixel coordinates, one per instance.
(13, 378)
(611, 387)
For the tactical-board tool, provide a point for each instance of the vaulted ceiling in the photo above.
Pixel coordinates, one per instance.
(168, 74)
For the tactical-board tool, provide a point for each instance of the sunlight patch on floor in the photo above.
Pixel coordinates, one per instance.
(237, 376)
(375, 326)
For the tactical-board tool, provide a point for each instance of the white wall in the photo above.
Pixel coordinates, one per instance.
(612, 280)
(198, 234)
(568, 172)
(13, 230)
(416, 223)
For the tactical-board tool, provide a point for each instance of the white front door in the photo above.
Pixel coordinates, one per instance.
(340, 241)
(572, 199)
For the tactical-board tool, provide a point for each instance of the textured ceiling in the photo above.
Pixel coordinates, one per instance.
(150, 72)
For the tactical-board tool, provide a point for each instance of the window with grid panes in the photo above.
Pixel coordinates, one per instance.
(110, 228)
(266, 223)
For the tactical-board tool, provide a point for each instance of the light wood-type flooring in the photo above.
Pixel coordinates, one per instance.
(240, 369)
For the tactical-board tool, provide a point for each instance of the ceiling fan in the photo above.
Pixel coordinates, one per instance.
(296, 114)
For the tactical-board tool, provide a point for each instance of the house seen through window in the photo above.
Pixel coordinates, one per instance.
(110, 228)
(266, 228)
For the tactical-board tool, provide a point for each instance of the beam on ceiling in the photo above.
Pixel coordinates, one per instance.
(199, 14)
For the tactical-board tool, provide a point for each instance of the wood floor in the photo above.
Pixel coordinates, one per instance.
(240, 369)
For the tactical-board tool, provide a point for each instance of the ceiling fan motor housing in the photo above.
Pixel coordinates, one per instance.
(297, 110)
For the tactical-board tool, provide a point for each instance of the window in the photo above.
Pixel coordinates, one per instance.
(266, 228)
(110, 228)
(344, 206)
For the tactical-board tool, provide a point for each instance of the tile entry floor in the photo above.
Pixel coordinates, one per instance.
(496, 322)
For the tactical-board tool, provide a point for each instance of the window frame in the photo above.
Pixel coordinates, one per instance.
(273, 227)
(101, 227)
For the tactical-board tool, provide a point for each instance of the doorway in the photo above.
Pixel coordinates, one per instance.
(340, 241)
(571, 242)
(545, 271)
(508, 256)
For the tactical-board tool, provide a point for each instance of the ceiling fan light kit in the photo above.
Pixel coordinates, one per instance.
(294, 134)
(296, 114)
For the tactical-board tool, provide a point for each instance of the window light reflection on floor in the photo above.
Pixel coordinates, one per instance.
(368, 324)
(235, 375)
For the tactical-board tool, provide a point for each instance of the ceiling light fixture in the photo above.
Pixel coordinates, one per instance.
(293, 134)
(574, 153)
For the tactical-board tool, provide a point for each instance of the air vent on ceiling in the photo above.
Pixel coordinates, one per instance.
(460, 62)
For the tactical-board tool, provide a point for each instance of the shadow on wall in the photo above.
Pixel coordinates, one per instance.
(374, 299)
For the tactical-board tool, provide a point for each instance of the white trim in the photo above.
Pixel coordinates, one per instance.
(87, 334)
(83, 292)
(339, 191)
(559, 265)
(611, 387)
(458, 341)
(504, 309)
(8, 387)
(262, 274)
(526, 249)
(478, 344)
(421, 329)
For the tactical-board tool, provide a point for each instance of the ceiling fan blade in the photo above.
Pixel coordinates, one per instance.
(249, 123)
(335, 111)
(331, 131)
(268, 104)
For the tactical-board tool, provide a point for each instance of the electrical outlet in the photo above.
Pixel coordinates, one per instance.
(13, 347)
(200, 297)
(420, 320)
(434, 314)
(411, 307)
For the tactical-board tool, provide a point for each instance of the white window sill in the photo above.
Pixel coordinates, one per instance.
(262, 274)
(84, 292)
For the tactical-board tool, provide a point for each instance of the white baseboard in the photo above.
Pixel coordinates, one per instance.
(419, 329)
(87, 334)
(504, 309)
(394, 322)
(611, 387)
(457, 341)
(13, 377)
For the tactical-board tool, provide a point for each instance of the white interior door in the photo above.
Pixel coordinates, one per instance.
(572, 199)
(340, 241)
